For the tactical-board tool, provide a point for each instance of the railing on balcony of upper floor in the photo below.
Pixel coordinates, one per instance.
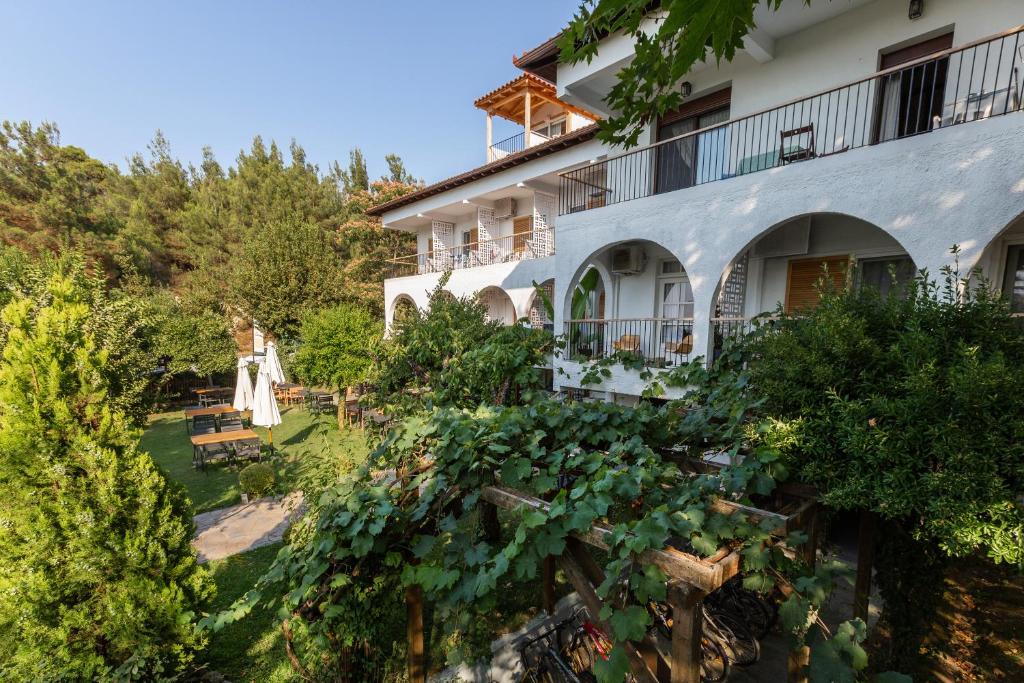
(520, 247)
(977, 81)
(514, 144)
(655, 342)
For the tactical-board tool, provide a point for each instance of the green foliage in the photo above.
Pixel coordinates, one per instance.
(426, 526)
(256, 479)
(336, 344)
(450, 354)
(908, 407)
(98, 579)
(684, 34)
(190, 336)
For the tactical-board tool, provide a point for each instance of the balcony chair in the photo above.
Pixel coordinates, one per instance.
(677, 351)
(627, 342)
(798, 153)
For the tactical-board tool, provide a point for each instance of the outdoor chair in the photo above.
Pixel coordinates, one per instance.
(677, 351)
(322, 403)
(353, 411)
(798, 153)
(213, 453)
(231, 422)
(296, 395)
(248, 450)
(627, 342)
(203, 424)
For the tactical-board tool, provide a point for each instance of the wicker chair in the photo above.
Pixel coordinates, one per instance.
(249, 449)
(231, 422)
(203, 424)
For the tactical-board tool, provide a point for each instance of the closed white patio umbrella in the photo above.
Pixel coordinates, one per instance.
(274, 364)
(264, 409)
(243, 387)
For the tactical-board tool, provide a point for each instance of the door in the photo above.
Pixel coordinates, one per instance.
(696, 159)
(802, 281)
(675, 304)
(522, 232)
(911, 99)
(1013, 282)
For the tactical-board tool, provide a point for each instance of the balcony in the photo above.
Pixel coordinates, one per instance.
(509, 249)
(512, 145)
(651, 342)
(974, 82)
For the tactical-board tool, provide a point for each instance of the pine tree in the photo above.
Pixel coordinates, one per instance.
(97, 577)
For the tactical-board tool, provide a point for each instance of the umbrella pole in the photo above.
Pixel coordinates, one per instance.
(270, 439)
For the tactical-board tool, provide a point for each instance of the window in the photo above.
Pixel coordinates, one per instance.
(696, 159)
(1013, 281)
(551, 128)
(804, 276)
(912, 98)
(887, 274)
(675, 291)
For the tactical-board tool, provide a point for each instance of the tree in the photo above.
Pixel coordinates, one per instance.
(909, 408)
(97, 577)
(335, 345)
(191, 337)
(397, 172)
(671, 37)
(285, 269)
(356, 177)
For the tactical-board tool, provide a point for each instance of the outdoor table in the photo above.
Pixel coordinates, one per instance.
(200, 440)
(207, 394)
(215, 411)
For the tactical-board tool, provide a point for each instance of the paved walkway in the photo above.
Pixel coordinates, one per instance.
(239, 528)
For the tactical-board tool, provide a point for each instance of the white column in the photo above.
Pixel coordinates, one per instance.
(490, 135)
(528, 105)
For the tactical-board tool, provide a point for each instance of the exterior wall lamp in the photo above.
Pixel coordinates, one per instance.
(916, 9)
(686, 88)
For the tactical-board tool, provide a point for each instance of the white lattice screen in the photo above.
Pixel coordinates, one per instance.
(538, 314)
(486, 224)
(544, 211)
(731, 299)
(443, 233)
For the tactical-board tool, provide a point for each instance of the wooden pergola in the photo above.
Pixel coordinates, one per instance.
(691, 579)
(520, 99)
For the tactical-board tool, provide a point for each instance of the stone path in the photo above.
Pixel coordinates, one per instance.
(236, 529)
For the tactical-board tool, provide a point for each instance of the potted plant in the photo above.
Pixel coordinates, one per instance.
(256, 481)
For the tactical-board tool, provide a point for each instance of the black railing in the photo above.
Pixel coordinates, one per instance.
(505, 147)
(969, 83)
(524, 246)
(658, 342)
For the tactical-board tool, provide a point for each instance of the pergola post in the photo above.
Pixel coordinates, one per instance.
(490, 135)
(687, 624)
(414, 621)
(527, 115)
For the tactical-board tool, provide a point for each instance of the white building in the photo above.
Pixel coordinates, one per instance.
(846, 133)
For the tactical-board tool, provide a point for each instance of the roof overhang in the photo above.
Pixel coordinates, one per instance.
(509, 100)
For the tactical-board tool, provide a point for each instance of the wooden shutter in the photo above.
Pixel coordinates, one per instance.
(803, 277)
(697, 106)
(522, 229)
(916, 51)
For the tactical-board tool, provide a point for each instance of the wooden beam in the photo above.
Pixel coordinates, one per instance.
(675, 563)
(527, 118)
(865, 563)
(414, 628)
(566, 106)
(581, 582)
(687, 626)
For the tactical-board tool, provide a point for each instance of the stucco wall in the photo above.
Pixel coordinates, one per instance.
(962, 185)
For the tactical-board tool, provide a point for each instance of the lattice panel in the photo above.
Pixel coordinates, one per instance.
(545, 208)
(732, 297)
(443, 234)
(538, 314)
(486, 224)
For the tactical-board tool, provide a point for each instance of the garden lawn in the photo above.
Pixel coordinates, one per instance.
(251, 649)
(299, 434)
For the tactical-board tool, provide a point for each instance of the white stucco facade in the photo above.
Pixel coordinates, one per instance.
(908, 199)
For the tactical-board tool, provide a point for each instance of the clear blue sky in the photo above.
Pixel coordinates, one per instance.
(395, 76)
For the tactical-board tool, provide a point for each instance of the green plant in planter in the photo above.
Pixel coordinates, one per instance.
(256, 480)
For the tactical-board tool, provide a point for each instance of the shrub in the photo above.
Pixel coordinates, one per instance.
(257, 479)
(98, 580)
(911, 408)
(336, 343)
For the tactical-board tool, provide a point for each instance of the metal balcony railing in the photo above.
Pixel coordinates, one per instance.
(656, 342)
(969, 83)
(514, 144)
(527, 245)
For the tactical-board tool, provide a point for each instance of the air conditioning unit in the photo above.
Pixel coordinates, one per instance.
(505, 208)
(628, 261)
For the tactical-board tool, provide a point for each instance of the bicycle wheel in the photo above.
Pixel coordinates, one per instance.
(743, 649)
(714, 665)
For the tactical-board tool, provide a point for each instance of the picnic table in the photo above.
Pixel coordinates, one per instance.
(199, 441)
(209, 394)
(214, 411)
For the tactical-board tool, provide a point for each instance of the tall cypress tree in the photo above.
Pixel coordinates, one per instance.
(97, 578)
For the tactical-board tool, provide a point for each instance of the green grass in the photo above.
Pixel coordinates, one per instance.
(299, 435)
(251, 649)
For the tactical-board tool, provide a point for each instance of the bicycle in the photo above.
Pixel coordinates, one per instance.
(548, 665)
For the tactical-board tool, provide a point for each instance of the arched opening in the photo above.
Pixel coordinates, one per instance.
(1002, 264)
(403, 308)
(540, 317)
(631, 299)
(498, 304)
(782, 269)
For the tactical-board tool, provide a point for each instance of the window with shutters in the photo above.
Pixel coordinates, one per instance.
(802, 282)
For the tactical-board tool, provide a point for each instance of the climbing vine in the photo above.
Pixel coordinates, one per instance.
(415, 516)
